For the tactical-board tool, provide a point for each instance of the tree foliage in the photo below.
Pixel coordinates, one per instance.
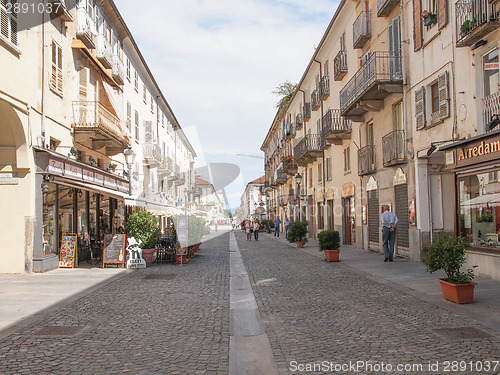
(285, 92)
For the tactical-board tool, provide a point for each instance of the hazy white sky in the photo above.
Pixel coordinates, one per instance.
(217, 63)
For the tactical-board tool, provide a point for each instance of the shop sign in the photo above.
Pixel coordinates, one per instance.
(88, 175)
(68, 253)
(99, 178)
(56, 167)
(474, 153)
(491, 66)
(73, 171)
(122, 186)
(9, 178)
(109, 182)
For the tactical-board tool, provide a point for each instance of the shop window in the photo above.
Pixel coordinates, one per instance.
(49, 192)
(479, 213)
(66, 211)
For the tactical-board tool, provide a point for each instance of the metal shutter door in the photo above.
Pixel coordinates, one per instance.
(402, 239)
(373, 219)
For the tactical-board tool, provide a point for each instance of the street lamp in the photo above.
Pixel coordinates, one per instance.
(298, 180)
(130, 161)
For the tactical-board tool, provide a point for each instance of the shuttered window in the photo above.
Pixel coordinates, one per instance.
(8, 21)
(442, 13)
(373, 217)
(136, 125)
(417, 24)
(136, 81)
(420, 108)
(56, 79)
(83, 78)
(444, 97)
(394, 34)
(148, 132)
(129, 117)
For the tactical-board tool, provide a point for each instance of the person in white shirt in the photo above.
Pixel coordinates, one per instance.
(389, 221)
(256, 227)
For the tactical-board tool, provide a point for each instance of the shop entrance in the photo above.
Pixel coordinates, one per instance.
(349, 220)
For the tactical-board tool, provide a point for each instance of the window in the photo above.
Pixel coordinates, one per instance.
(310, 177)
(325, 68)
(347, 159)
(136, 81)
(152, 104)
(163, 120)
(320, 173)
(136, 125)
(56, 79)
(490, 73)
(128, 70)
(434, 101)
(328, 169)
(8, 19)
(144, 93)
(342, 42)
(434, 97)
(129, 117)
(398, 116)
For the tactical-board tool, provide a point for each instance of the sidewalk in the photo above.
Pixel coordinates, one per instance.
(412, 278)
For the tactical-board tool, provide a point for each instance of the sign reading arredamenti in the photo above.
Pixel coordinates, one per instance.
(475, 152)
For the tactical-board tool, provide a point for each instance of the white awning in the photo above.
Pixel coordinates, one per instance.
(91, 187)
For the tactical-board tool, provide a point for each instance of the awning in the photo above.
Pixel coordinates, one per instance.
(91, 187)
(114, 104)
(491, 200)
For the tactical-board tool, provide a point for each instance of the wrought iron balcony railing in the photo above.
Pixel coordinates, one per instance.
(104, 53)
(308, 149)
(474, 20)
(151, 154)
(306, 111)
(85, 28)
(315, 101)
(324, 87)
(335, 126)
(361, 30)
(385, 7)
(280, 176)
(118, 72)
(366, 160)
(340, 65)
(393, 147)
(381, 67)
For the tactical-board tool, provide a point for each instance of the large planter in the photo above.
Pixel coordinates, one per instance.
(180, 259)
(458, 293)
(147, 255)
(332, 255)
(300, 244)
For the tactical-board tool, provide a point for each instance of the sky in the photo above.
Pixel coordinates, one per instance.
(218, 62)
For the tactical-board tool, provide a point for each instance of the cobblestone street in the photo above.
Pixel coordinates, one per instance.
(170, 319)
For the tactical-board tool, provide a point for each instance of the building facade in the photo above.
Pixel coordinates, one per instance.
(253, 200)
(396, 107)
(75, 95)
(208, 202)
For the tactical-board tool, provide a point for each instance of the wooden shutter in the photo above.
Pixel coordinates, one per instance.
(129, 117)
(442, 13)
(8, 20)
(82, 84)
(444, 97)
(56, 80)
(148, 131)
(420, 108)
(417, 25)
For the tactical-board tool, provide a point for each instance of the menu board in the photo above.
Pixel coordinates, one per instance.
(114, 249)
(67, 257)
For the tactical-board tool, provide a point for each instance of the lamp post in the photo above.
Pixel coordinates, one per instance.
(129, 160)
(298, 180)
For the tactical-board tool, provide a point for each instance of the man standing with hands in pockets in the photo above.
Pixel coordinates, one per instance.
(389, 221)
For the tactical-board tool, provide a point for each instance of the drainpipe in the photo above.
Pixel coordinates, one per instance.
(42, 122)
(321, 121)
(403, 63)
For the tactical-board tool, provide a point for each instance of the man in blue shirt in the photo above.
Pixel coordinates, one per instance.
(389, 221)
(277, 223)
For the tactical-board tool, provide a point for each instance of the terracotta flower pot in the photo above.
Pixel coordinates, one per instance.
(300, 244)
(458, 293)
(332, 255)
(147, 255)
(180, 259)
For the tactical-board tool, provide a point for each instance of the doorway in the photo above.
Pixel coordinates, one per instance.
(349, 220)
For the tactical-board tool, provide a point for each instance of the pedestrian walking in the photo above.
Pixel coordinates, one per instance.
(248, 230)
(256, 227)
(287, 227)
(277, 223)
(389, 221)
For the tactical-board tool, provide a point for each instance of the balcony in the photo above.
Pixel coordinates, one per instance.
(151, 154)
(85, 28)
(166, 167)
(361, 30)
(324, 87)
(298, 121)
(308, 149)
(306, 111)
(61, 9)
(340, 65)
(181, 179)
(366, 160)
(104, 52)
(118, 72)
(379, 76)
(474, 20)
(293, 130)
(280, 177)
(315, 101)
(393, 145)
(385, 7)
(92, 121)
(335, 127)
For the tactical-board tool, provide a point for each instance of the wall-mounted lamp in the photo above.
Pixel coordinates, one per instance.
(92, 161)
(111, 168)
(494, 121)
(45, 187)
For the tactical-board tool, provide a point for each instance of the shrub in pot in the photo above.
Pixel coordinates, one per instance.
(447, 252)
(329, 242)
(298, 233)
(144, 227)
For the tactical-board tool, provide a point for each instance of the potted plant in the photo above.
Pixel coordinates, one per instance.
(447, 252)
(429, 18)
(298, 233)
(329, 242)
(144, 227)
